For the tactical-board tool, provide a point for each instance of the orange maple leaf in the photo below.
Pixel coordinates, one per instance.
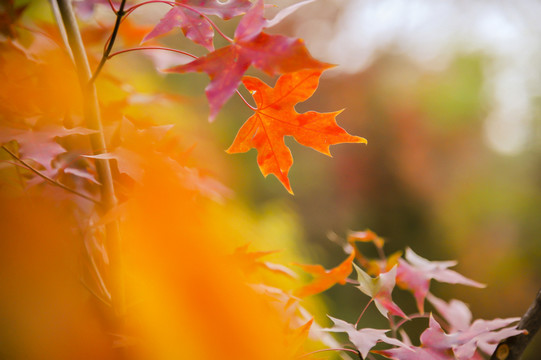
(275, 117)
(325, 279)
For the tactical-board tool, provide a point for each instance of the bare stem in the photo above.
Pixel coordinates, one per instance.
(93, 121)
(119, 14)
(46, 178)
(513, 347)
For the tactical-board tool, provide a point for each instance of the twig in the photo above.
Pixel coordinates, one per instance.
(46, 178)
(513, 347)
(119, 14)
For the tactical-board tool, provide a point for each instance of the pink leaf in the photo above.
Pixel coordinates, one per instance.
(456, 313)
(380, 289)
(363, 339)
(194, 27)
(415, 275)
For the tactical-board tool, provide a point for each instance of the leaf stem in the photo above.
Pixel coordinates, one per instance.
(410, 317)
(46, 178)
(119, 14)
(362, 313)
(112, 6)
(246, 102)
(151, 48)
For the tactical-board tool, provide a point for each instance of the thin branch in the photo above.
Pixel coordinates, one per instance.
(46, 178)
(513, 347)
(119, 14)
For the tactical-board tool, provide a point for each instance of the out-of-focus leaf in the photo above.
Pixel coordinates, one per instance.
(325, 279)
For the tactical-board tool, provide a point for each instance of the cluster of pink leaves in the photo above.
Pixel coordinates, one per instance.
(461, 341)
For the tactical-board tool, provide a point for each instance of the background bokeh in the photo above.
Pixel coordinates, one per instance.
(445, 92)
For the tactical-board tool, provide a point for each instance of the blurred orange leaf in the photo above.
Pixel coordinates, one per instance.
(325, 279)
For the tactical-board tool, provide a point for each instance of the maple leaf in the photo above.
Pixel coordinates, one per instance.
(325, 279)
(275, 117)
(380, 289)
(415, 275)
(479, 334)
(249, 261)
(274, 54)
(363, 339)
(193, 26)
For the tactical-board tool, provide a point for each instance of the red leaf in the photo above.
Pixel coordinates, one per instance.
(251, 24)
(274, 54)
(193, 25)
(276, 117)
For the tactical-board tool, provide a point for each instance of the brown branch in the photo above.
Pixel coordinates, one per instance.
(119, 14)
(513, 347)
(93, 121)
(46, 178)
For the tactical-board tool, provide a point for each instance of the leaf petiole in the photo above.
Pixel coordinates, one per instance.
(151, 48)
(362, 313)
